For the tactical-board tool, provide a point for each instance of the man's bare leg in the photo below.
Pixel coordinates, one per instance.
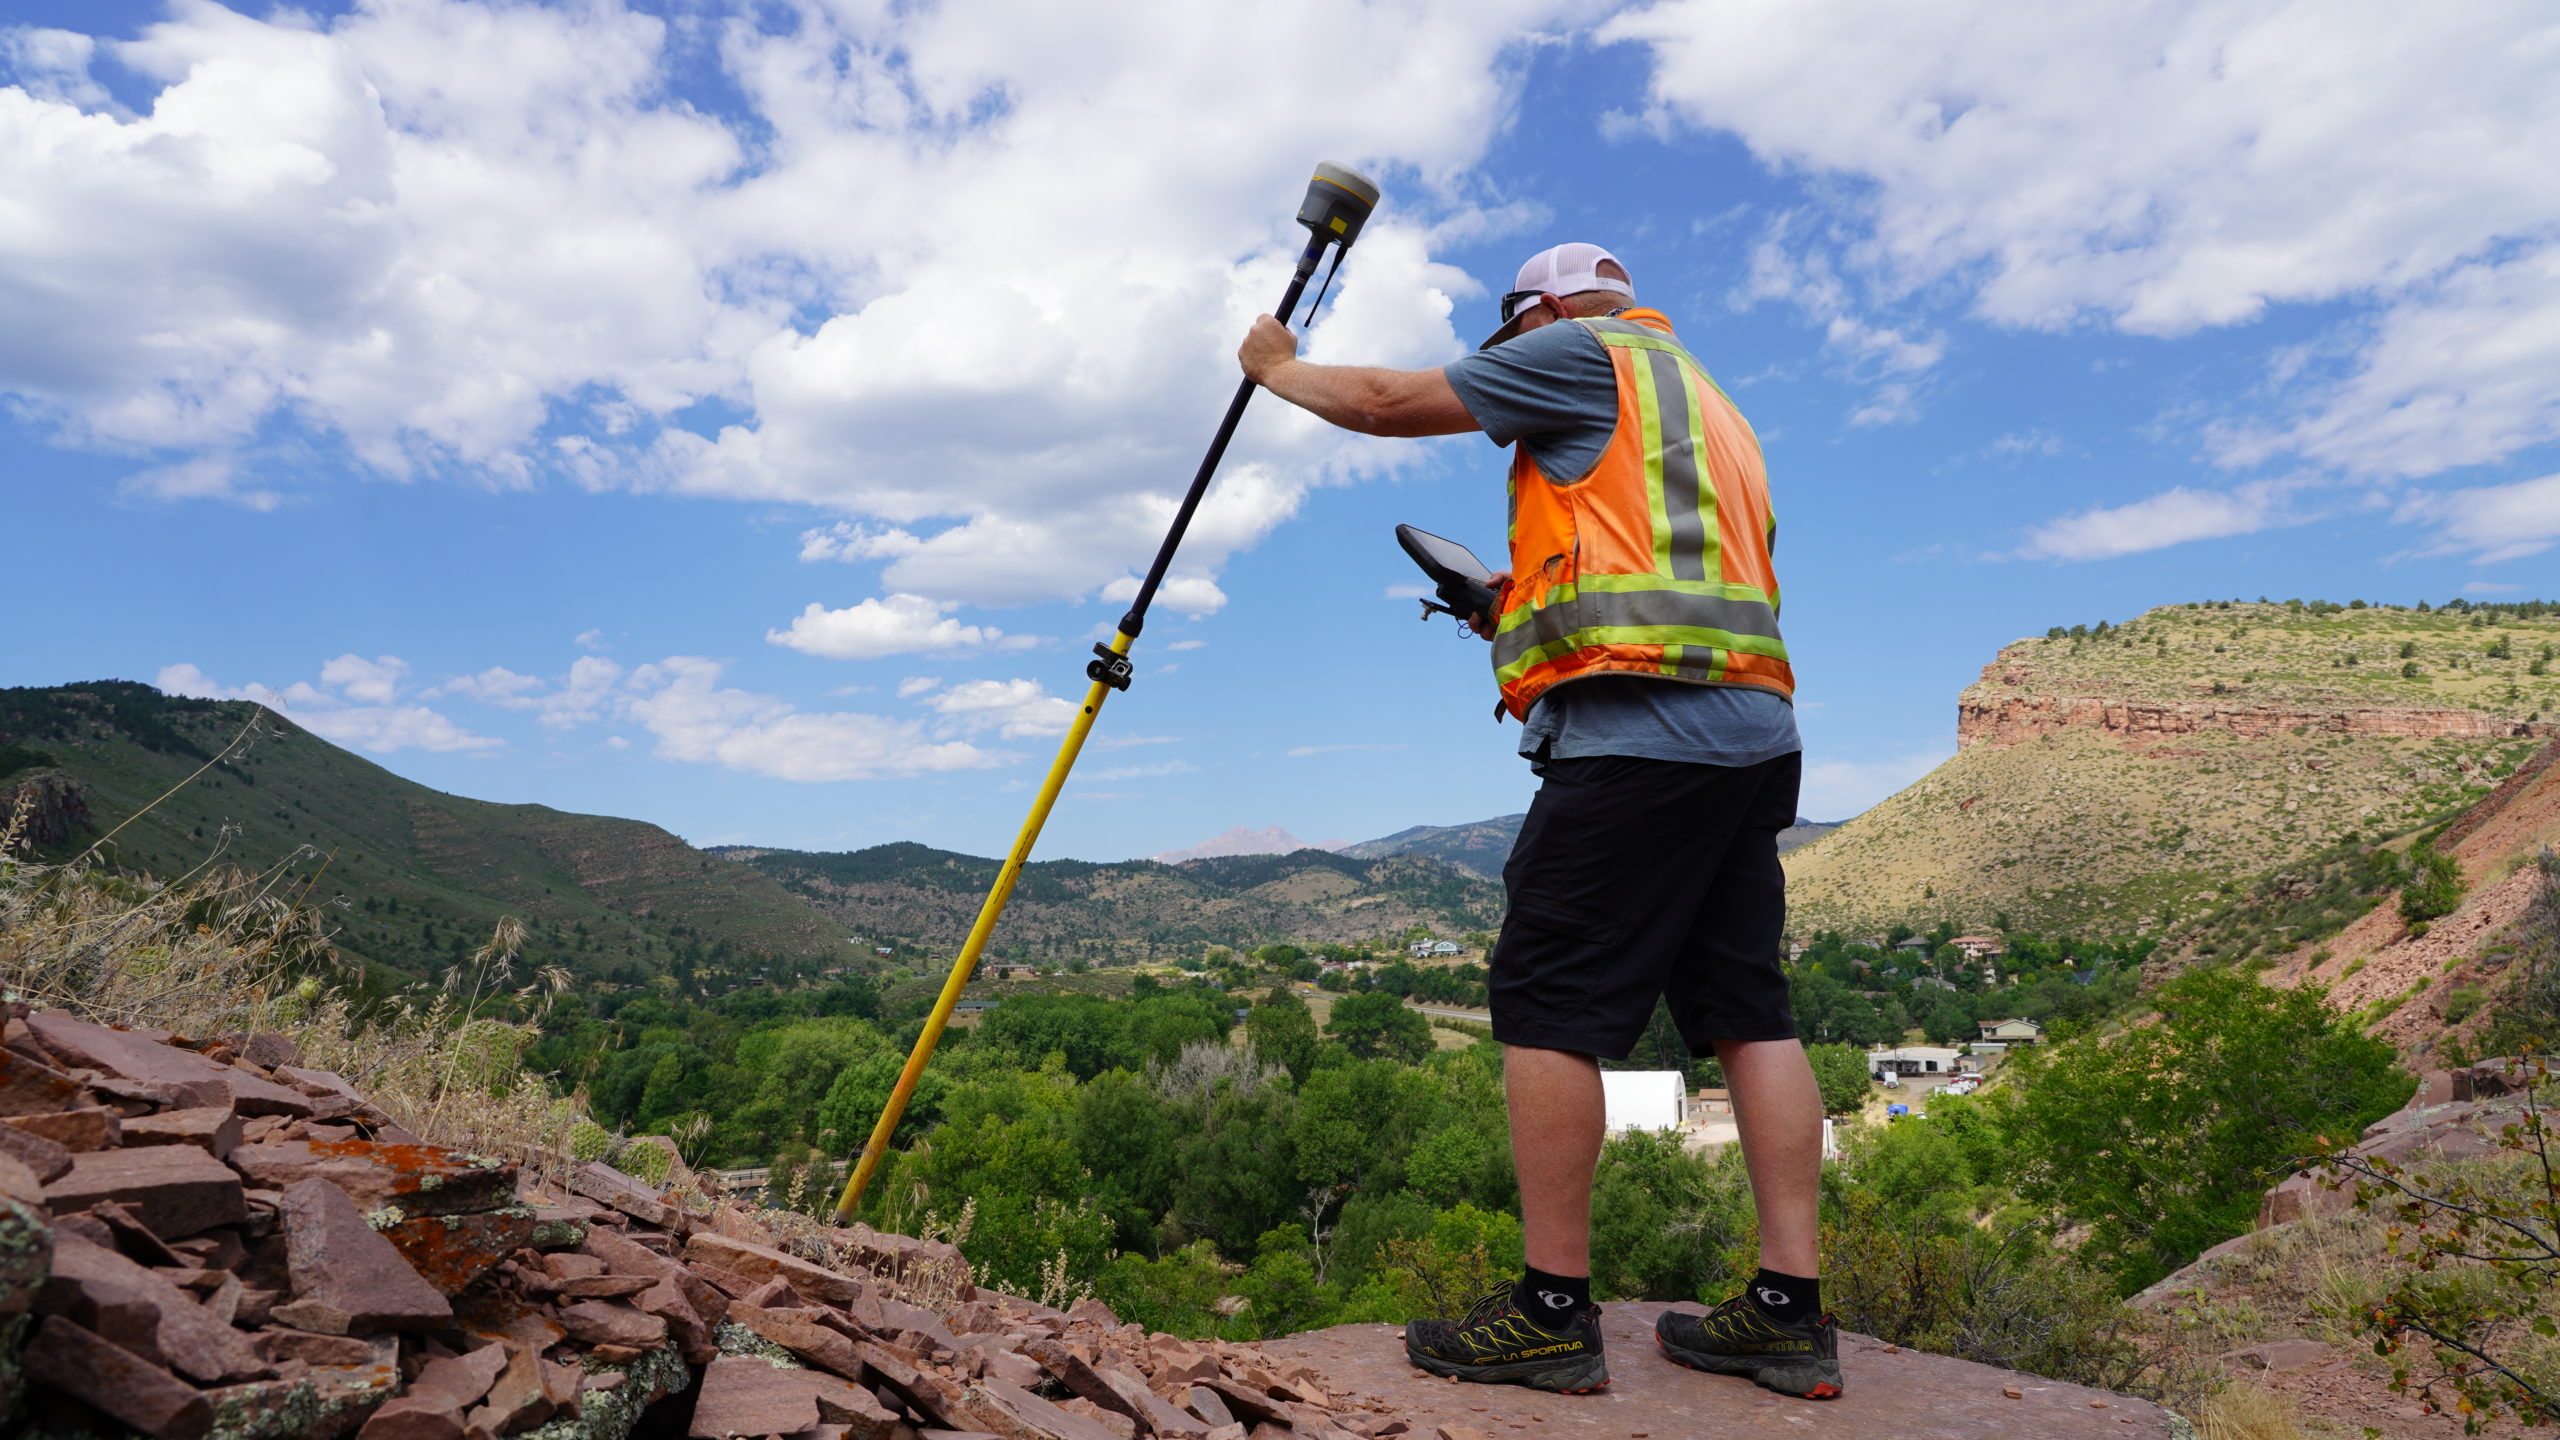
(1778, 1109)
(1557, 1120)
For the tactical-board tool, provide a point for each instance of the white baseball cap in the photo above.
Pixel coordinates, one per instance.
(1567, 269)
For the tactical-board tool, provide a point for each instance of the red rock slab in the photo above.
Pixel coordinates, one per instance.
(176, 1189)
(134, 1056)
(894, 1254)
(1016, 1413)
(451, 1251)
(414, 1417)
(691, 1308)
(140, 1310)
(31, 1087)
(613, 1322)
(1900, 1393)
(815, 1344)
(417, 1179)
(348, 1280)
(762, 1262)
(88, 1127)
(21, 1184)
(607, 1186)
(519, 1398)
(210, 1128)
(742, 1395)
(925, 1394)
(115, 1380)
(49, 1159)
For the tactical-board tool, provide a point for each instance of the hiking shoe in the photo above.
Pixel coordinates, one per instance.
(1738, 1338)
(1496, 1344)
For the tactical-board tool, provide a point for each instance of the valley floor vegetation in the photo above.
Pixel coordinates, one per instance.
(1216, 1162)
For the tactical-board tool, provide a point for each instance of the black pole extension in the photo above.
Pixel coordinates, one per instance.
(1136, 619)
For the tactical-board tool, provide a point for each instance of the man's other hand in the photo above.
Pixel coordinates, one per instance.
(1267, 347)
(1482, 623)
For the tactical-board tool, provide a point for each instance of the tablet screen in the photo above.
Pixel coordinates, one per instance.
(1441, 559)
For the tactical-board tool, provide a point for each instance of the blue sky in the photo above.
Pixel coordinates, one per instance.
(740, 416)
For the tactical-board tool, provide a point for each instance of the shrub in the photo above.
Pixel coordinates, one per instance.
(2435, 884)
(2162, 1139)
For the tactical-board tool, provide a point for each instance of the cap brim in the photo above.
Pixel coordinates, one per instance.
(1509, 328)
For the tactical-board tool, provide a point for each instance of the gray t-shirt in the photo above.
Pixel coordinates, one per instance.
(1554, 392)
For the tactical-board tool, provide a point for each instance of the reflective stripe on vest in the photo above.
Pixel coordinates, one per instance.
(1657, 561)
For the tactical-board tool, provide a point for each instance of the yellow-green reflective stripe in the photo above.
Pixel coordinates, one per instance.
(1695, 544)
(1668, 616)
(1683, 635)
(1649, 438)
(1728, 589)
(1567, 608)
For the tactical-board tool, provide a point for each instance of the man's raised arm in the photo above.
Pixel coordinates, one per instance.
(1367, 398)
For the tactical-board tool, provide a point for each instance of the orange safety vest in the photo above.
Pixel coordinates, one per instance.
(1656, 562)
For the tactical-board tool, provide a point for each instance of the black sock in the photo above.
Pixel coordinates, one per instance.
(1552, 1301)
(1787, 1299)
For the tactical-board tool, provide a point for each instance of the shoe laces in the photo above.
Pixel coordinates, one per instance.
(1487, 1309)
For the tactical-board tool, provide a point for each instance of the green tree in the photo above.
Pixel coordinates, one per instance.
(1091, 1032)
(1283, 1031)
(1378, 1024)
(1125, 1137)
(2435, 885)
(1946, 1020)
(1840, 1073)
(1666, 1224)
(2162, 1139)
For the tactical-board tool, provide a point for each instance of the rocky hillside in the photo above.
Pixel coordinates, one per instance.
(1136, 909)
(430, 872)
(2117, 778)
(2430, 988)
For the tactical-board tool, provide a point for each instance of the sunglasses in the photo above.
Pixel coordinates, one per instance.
(1517, 301)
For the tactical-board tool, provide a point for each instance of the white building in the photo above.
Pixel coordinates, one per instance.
(1912, 1060)
(1641, 1099)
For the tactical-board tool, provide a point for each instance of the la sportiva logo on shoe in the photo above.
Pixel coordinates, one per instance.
(1547, 1350)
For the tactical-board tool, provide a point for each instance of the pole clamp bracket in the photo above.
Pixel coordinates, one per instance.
(1111, 668)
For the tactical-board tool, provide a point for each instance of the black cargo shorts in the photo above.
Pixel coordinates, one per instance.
(1638, 879)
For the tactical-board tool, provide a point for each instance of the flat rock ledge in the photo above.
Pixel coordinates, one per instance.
(1897, 1392)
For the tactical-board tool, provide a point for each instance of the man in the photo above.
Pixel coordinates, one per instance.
(1636, 638)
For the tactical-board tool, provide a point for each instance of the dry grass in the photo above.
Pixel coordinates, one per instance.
(2242, 1411)
(224, 950)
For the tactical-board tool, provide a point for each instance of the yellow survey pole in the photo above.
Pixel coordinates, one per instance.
(1338, 203)
(877, 1148)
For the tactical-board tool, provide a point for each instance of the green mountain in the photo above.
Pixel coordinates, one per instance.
(419, 877)
(1136, 909)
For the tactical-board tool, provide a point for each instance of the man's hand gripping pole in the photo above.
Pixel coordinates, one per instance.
(1337, 204)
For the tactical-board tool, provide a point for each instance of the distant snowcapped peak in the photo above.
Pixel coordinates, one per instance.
(1239, 841)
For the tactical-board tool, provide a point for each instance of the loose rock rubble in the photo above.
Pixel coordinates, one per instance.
(202, 1237)
(2456, 1115)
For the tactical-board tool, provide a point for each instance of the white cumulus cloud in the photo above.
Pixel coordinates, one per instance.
(1013, 708)
(889, 625)
(967, 277)
(2172, 517)
(356, 703)
(680, 701)
(2161, 168)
